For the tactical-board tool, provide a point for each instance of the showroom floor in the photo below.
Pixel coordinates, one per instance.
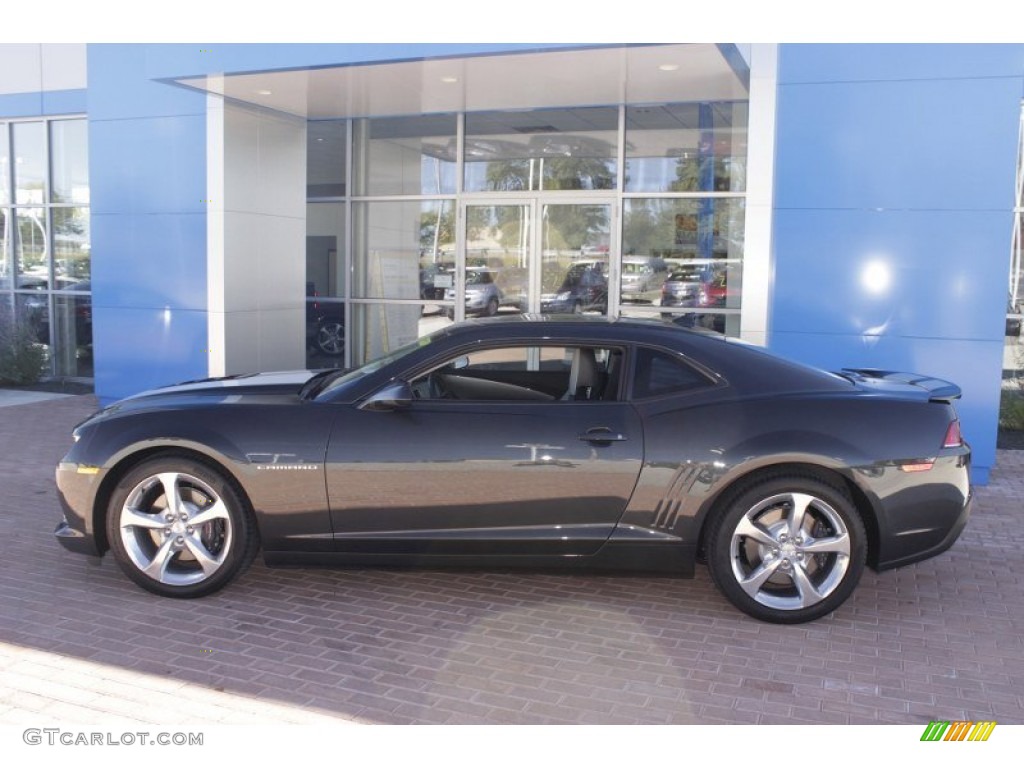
(80, 644)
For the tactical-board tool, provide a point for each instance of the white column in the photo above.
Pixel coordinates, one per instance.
(758, 265)
(256, 239)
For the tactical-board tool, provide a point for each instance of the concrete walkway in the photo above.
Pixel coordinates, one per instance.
(25, 396)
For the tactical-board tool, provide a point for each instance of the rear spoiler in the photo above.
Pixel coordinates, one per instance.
(938, 390)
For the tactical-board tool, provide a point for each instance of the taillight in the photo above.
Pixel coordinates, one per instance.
(953, 437)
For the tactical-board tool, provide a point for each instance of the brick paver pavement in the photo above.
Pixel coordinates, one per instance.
(81, 644)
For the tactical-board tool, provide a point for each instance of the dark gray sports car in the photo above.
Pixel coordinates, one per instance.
(535, 442)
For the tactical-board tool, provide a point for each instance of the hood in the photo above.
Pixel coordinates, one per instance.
(250, 387)
(276, 383)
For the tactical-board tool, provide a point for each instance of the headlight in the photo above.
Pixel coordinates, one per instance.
(564, 296)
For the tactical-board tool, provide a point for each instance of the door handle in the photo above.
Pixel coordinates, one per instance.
(602, 435)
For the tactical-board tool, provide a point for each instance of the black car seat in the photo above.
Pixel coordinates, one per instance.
(611, 387)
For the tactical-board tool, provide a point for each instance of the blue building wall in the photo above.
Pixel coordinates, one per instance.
(894, 182)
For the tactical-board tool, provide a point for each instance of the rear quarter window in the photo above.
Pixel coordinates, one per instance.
(660, 373)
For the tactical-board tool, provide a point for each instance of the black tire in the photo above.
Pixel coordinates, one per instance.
(774, 575)
(492, 307)
(330, 338)
(193, 553)
(577, 307)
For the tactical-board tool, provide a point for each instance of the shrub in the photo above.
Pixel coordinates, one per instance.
(22, 358)
(1011, 401)
(1011, 410)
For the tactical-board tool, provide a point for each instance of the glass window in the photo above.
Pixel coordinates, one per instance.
(45, 241)
(325, 284)
(404, 155)
(676, 229)
(699, 147)
(5, 251)
(325, 249)
(525, 374)
(554, 149)
(396, 242)
(71, 265)
(325, 158)
(33, 309)
(32, 267)
(659, 373)
(29, 162)
(381, 329)
(574, 260)
(684, 254)
(5, 166)
(72, 338)
(69, 147)
(498, 252)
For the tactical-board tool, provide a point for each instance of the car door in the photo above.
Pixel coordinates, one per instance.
(494, 456)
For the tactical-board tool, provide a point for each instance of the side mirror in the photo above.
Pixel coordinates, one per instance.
(393, 397)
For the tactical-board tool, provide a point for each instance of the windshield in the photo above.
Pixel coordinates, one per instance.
(342, 379)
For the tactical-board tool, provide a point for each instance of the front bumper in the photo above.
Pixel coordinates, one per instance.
(75, 541)
(76, 490)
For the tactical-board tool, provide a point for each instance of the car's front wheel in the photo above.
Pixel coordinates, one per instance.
(787, 549)
(179, 528)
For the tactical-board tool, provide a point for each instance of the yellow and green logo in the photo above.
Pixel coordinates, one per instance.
(958, 730)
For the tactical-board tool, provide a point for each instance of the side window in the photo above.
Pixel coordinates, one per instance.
(515, 374)
(659, 373)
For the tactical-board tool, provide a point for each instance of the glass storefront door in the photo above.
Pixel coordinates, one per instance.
(536, 255)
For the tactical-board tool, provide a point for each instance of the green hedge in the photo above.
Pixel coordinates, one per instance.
(22, 358)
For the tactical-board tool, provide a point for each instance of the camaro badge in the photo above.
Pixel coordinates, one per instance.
(279, 461)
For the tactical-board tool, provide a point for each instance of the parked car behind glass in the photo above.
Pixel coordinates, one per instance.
(325, 324)
(583, 289)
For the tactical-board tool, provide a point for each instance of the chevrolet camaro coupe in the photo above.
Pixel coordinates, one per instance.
(537, 442)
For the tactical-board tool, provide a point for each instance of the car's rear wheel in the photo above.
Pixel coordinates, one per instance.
(787, 549)
(492, 307)
(179, 528)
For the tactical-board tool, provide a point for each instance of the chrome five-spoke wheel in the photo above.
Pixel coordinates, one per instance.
(175, 529)
(178, 528)
(330, 338)
(788, 550)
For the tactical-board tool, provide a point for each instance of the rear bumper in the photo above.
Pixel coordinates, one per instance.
(937, 549)
(925, 512)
